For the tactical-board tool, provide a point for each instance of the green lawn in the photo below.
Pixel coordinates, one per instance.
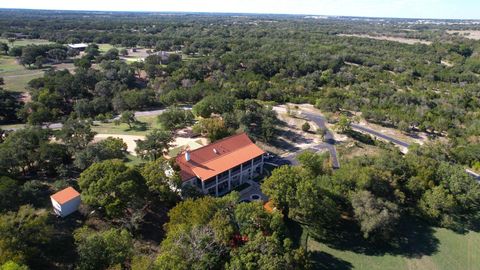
(24, 42)
(148, 123)
(15, 75)
(104, 47)
(426, 249)
(134, 160)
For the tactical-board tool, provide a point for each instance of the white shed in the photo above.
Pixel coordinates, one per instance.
(65, 201)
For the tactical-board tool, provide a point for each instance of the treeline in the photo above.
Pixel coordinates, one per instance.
(384, 191)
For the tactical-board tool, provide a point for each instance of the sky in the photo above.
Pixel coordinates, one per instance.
(435, 9)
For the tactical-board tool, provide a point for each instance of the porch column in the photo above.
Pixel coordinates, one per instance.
(251, 169)
(229, 179)
(216, 185)
(261, 166)
(203, 186)
(241, 173)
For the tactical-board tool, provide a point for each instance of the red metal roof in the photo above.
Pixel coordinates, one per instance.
(220, 156)
(65, 195)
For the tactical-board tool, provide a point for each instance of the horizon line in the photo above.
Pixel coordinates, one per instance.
(237, 13)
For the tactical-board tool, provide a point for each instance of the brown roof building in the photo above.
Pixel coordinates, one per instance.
(221, 166)
(65, 201)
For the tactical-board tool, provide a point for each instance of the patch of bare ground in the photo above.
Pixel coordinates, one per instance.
(292, 137)
(350, 149)
(410, 41)
(446, 63)
(470, 34)
(130, 140)
(424, 262)
(413, 137)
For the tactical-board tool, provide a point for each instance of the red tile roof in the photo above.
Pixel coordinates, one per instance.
(65, 195)
(230, 152)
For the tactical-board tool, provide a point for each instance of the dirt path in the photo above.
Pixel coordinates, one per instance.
(128, 139)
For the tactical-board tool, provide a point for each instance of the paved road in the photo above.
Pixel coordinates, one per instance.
(380, 135)
(319, 120)
(399, 143)
(137, 114)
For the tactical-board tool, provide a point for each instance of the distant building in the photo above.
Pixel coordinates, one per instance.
(78, 46)
(65, 201)
(221, 166)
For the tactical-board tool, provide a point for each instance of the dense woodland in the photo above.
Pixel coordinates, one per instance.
(231, 69)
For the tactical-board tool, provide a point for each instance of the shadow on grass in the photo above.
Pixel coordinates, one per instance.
(138, 126)
(323, 260)
(358, 136)
(319, 259)
(413, 238)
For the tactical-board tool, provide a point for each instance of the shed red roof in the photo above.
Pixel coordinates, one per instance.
(220, 156)
(65, 195)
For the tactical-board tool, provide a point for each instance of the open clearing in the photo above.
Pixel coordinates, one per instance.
(16, 76)
(452, 251)
(148, 122)
(410, 41)
(24, 42)
(470, 34)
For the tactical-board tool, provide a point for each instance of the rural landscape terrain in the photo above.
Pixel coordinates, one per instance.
(356, 140)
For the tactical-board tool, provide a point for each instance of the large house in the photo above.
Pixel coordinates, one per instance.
(221, 166)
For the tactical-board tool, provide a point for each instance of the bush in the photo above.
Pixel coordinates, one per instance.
(306, 127)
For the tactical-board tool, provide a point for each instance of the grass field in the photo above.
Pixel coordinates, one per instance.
(134, 160)
(104, 47)
(24, 42)
(16, 76)
(428, 248)
(148, 123)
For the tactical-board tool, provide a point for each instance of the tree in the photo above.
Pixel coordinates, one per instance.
(301, 196)
(39, 61)
(154, 173)
(127, 117)
(124, 52)
(280, 187)
(9, 105)
(92, 51)
(214, 233)
(113, 186)
(217, 104)
(155, 144)
(76, 134)
(3, 48)
(83, 63)
(110, 148)
(377, 217)
(213, 128)
(175, 118)
(268, 252)
(102, 250)
(53, 156)
(255, 119)
(24, 235)
(57, 54)
(306, 127)
(438, 205)
(19, 152)
(110, 55)
(314, 163)
(9, 194)
(344, 124)
(11, 265)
